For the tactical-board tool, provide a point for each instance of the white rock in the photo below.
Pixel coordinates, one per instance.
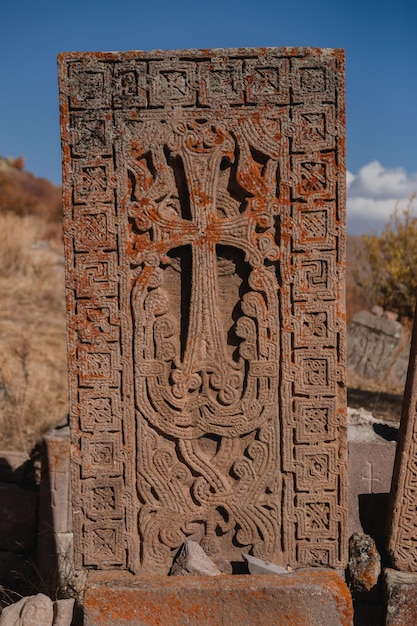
(361, 425)
(63, 610)
(258, 566)
(30, 611)
(191, 560)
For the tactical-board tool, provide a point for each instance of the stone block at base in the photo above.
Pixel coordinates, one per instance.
(306, 598)
(401, 598)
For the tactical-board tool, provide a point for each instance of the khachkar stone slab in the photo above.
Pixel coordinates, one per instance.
(204, 201)
(402, 513)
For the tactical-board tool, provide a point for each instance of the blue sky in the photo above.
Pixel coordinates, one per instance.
(380, 39)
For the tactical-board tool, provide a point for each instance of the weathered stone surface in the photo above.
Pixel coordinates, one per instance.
(364, 565)
(31, 611)
(191, 560)
(18, 519)
(38, 610)
(63, 612)
(402, 516)
(398, 372)
(377, 348)
(401, 598)
(308, 598)
(55, 549)
(55, 493)
(204, 233)
(258, 566)
(370, 472)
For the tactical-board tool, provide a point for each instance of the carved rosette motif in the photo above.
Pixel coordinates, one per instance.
(204, 207)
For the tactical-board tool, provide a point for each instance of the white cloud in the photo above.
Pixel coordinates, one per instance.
(375, 180)
(349, 178)
(375, 191)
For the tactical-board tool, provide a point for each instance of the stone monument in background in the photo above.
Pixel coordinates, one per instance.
(401, 582)
(204, 197)
(402, 522)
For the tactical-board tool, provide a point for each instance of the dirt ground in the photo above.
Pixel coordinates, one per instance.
(383, 405)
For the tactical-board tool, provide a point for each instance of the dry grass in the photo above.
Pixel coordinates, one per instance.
(33, 379)
(356, 298)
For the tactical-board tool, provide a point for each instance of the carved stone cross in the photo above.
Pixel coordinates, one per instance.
(370, 478)
(207, 380)
(204, 231)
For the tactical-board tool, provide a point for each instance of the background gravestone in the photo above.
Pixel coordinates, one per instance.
(378, 348)
(204, 198)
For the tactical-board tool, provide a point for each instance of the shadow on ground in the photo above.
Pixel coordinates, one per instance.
(382, 404)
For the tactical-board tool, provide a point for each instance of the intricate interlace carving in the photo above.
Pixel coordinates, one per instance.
(204, 241)
(206, 391)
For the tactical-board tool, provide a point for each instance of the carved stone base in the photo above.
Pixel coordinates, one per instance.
(313, 597)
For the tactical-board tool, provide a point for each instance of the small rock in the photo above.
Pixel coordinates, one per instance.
(378, 310)
(258, 566)
(31, 611)
(401, 598)
(191, 560)
(63, 611)
(364, 565)
(391, 315)
(363, 426)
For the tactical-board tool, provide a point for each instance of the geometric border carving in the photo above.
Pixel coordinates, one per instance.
(316, 516)
(315, 228)
(315, 276)
(314, 325)
(316, 466)
(402, 516)
(94, 229)
(104, 544)
(96, 175)
(110, 100)
(314, 420)
(100, 410)
(96, 272)
(318, 554)
(102, 498)
(101, 455)
(315, 372)
(99, 365)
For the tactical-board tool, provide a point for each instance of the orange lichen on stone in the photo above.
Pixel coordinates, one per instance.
(204, 196)
(305, 598)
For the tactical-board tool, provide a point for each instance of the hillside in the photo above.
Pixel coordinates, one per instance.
(33, 393)
(22, 193)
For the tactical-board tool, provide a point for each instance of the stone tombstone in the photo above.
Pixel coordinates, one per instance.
(373, 346)
(402, 513)
(204, 196)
